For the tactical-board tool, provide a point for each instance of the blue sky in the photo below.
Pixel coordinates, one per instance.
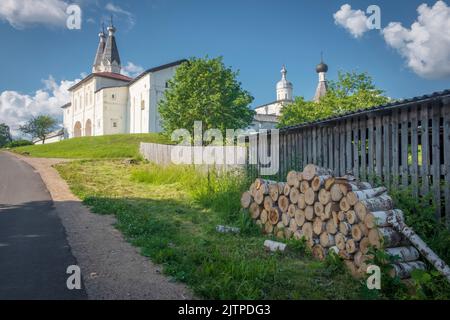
(255, 37)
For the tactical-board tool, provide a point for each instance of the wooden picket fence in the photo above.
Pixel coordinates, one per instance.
(406, 143)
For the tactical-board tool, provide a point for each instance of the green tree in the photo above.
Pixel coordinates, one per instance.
(208, 91)
(351, 91)
(39, 127)
(5, 135)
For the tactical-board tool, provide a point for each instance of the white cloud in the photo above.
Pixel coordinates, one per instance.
(132, 70)
(23, 13)
(355, 21)
(426, 45)
(118, 10)
(16, 108)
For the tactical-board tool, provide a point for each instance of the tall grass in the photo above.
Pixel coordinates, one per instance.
(220, 192)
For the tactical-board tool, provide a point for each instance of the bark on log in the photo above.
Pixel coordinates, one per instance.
(281, 187)
(312, 170)
(309, 213)
(405, 254)
(274, 245)
(227, 229)
(399, 224)
(246, 199)
(403, 269)
(384, 237)
(261, 182)
(355, 196)
(380, 203)
(254, 210)
(380, 218)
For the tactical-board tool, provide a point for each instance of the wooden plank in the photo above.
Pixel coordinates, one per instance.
(378, 147)
(355, 126)
(300, 148)
(348, 147)
(310, 145)
(414, 168)
(436, 157)
(371, 150)
(404, 140)
(319, 146)
(337, 145)
(330, 148)
(395, 148)
(387, 149)
(425, 143)
(305, 146)
(446, 143)
(342, 139)
(363, 128)
(314, 145)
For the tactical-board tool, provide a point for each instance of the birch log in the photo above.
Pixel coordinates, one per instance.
(311, 170)
(399, 224)
(355, 196)
(274, 245)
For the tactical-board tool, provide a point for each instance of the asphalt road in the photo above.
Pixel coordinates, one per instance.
(34, 251)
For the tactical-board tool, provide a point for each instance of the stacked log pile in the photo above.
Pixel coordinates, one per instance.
(331, 213)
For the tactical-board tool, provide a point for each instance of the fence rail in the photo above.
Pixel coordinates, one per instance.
(402, 144)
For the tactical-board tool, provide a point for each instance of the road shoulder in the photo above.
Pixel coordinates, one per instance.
(112, 268)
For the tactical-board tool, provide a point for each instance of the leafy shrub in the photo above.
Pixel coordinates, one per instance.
(19, 143)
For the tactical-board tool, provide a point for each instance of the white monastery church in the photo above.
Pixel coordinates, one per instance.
(107, 102)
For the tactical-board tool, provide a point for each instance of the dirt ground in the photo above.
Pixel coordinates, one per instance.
(111, 267)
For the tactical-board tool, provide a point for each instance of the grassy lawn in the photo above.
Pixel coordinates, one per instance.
(103, 147)
(171, 215)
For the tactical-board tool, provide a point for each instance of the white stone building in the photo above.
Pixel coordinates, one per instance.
(107, 102)
(267, 115)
